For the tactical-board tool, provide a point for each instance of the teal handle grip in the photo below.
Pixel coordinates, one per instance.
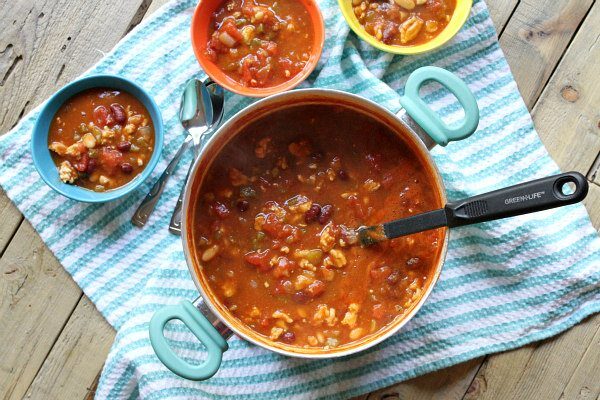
(431, 123)
(201, 328)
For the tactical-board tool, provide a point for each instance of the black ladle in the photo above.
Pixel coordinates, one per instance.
(524, 198)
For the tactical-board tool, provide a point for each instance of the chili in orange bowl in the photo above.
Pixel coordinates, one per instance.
(257, 47)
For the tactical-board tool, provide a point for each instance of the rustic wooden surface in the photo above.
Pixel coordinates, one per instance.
(55, 342)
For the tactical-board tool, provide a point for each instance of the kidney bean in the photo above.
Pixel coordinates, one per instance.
(393, 278)
(92, 165)
(312, 213)
(412, 261)
(220, 209)
(301, 298)
(124, 146)
(288, 337)
(342, 174)
(119, 113)
(126, 168)
(82, 165)
(317, 155)
(326, 213)
(242, 205)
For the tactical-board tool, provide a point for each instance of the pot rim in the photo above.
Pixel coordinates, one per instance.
(278, 102)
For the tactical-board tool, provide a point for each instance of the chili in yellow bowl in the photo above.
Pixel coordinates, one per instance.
(406, 26)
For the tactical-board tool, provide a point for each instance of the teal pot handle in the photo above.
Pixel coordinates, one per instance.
(201, 328)
(426, 118)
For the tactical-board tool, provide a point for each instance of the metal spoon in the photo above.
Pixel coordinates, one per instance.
(217, 97)
(195, 110)
(524, 198)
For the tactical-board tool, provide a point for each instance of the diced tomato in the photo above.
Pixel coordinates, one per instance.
(229, 26)
(356, 206)
(101, 115)
(315, 289)
(260, 259)
(111, 159)
(283, 267)
(248, 68)
(284, 286)
(273, 226)
(271, 48)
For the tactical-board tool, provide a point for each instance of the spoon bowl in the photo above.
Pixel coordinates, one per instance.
(194, 124)
(195, 114)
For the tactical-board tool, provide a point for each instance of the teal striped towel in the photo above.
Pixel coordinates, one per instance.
(504, 284)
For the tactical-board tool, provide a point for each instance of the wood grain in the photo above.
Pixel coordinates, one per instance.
(11, 219)
(44, 45)
(537, 371)
(446, 384)
(500, 11)
(567, 116)
(592, 204)
(535, 38)
(37, 296)
(47, 46)
(584, 384)
(77, 356)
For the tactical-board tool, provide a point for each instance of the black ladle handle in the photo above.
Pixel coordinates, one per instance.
(524, 198)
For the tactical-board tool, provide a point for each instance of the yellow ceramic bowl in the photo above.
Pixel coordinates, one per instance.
(461, 13)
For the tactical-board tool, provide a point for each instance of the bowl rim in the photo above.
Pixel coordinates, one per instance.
(236, 124)
(230, 84)
(459, 18)
(52, 105)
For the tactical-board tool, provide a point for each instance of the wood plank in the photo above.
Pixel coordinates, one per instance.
(592, 204)
(542, 371)
(46, 44)
(584, 384)
(55, 44)
(155, 5)
(452, 382)
(446, 384)
(566, 115)
(537, 371)
(71, 370)
(11, 219)
(535, 38)
(79, 353)
(36, 298)
(594, 173)
(500, 11)
(91, 392)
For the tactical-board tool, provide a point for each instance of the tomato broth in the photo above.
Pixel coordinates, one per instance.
(274, 217)
(260, 43)
(101, 139)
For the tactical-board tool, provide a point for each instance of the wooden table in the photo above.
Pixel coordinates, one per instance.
(54, 342)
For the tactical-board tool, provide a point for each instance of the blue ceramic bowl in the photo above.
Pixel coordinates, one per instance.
(39, 141)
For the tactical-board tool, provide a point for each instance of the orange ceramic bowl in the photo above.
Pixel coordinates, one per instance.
(201, 22)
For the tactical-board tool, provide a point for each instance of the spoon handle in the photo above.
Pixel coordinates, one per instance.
(175, 224)
(141, 215)
(524, 198)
